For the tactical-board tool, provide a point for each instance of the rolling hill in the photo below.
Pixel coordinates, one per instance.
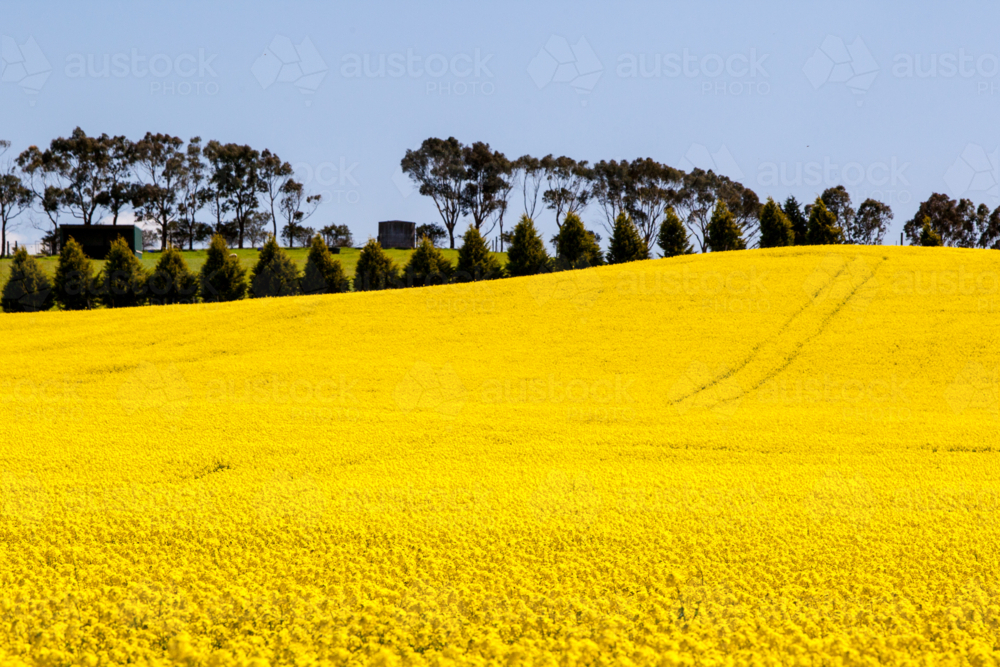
(683, 461)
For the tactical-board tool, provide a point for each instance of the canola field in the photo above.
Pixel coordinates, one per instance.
(784, 457)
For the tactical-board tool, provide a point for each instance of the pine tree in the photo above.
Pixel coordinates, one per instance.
(929, 237)
(74, 279)
(323, 274)
(27, 289)
(222, 277)
(775, 227)
(723, 232)
(375, 269)
(274, 274)
(823, 228)
(427, 266)
(124, 280)
(576, 247)
(475, 261)
(673, 237)
(172, 281)
(800, 225)
(526, 254)
(626, 244)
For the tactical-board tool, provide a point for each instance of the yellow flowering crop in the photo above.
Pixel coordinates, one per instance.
(783, 457)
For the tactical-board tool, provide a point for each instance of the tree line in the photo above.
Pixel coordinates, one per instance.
(480, 184)
(244, 194)
(124, 281)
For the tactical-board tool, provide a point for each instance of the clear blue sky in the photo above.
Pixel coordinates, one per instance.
(781, 98)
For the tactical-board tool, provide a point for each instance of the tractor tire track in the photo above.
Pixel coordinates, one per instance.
(824, 324)
(755, 350)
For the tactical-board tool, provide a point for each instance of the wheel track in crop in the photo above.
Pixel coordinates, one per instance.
(797, 327)
(755, 350)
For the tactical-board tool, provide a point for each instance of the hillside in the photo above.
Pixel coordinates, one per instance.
(750, 453)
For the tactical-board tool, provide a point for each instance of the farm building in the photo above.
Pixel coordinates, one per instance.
(96, 239)
(397, 234)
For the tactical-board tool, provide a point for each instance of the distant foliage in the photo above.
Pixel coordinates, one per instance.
(436, 233)
(800, 224)
(74, 279)
(775, 228)
(526, 255)
(275, 274)
(870, 223)
(123, 282)
(673, 237)
(375, 269)
(823, 228)
(324, 273)
(27, 289)
(172, 281)
(929, 237)
(222, 277)
(576, 246)
(475, 261)
(427, 266)
(959, 223)
(723, 233)
(337, 236)
(626, 244)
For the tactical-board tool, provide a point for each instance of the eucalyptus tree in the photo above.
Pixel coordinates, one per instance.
(120, 186)
(652, 188)
(194, 193)
(70, 176)
(696, 201)
(273, 174)
(296, 207)
(15, 197)
(235, 177)
(438, 167)
(161, 168)
(869, 224)
(568, 183)
(487, 173)
(529, 173)
(610, 187)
